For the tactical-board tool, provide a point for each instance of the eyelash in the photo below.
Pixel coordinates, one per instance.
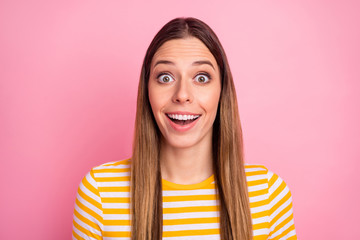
(197, 75)
(163, 74)
(204, 74)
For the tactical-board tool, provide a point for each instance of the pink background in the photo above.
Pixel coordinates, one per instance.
(68, 81)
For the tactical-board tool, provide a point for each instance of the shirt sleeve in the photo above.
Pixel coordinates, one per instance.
(88, 213)
(280, 209)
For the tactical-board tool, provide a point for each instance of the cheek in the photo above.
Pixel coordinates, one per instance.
(211, 101)
(156, 98)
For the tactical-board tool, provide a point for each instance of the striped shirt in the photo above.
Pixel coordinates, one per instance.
(189, 211)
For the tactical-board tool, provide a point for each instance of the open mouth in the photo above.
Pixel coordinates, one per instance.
(182, 119)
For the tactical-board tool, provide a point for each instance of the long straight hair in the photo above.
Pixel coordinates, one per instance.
(227, 146)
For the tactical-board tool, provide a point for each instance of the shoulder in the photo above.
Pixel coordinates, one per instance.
(113, 165)
(259, 176)
(108, 172)
(253, 172)
(270, 198)
(256, 174)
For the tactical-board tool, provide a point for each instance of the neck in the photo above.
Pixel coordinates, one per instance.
(186, 165)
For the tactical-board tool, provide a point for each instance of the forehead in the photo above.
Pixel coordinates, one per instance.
(183, 50)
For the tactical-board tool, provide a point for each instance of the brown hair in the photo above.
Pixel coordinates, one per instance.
(228, 164)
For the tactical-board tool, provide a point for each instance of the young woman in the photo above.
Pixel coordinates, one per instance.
(186, 178)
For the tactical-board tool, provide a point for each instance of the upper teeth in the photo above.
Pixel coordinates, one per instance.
(183, 117)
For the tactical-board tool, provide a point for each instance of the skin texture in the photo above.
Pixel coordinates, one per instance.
(184, 76)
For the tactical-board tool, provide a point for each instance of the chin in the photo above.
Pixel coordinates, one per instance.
(182, 142)
(180, 145)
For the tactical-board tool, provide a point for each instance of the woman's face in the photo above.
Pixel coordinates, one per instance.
(184, 91)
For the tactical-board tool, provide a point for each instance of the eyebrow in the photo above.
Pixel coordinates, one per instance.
(196, 63)
(164, 62)
(203, 62)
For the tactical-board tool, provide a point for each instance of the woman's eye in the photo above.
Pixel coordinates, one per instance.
(202, 78)
(165, 78)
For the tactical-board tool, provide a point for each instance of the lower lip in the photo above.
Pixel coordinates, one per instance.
(182, 128)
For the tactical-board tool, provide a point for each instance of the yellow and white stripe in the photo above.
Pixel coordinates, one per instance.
(190, 212)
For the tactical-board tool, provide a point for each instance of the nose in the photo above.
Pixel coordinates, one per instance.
(183, 92)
